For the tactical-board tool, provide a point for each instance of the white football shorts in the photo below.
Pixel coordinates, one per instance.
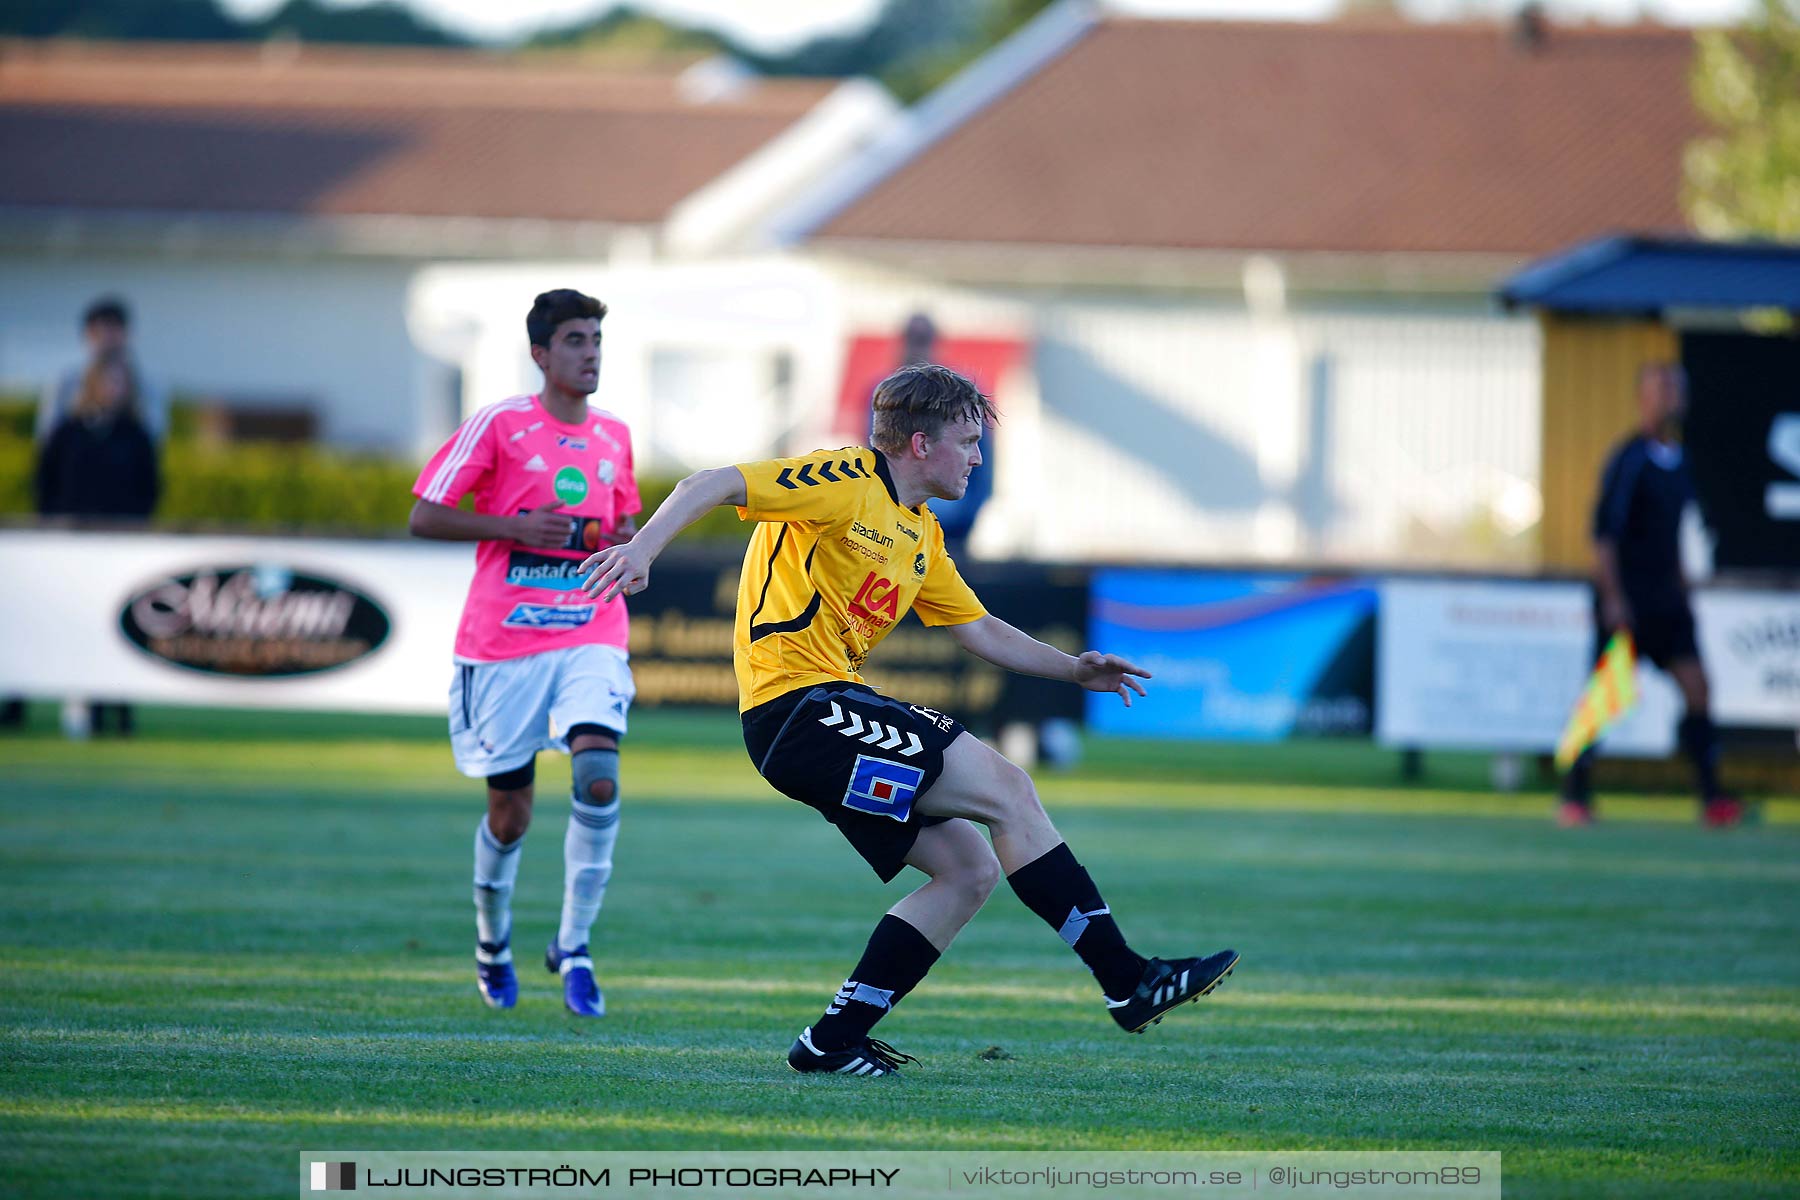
(503, 713)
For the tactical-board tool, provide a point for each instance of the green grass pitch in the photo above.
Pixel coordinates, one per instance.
(237, 936)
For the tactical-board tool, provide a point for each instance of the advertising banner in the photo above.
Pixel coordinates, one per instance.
(1742, 435)
(1238, 657)
(1750, 642)
(1481, 664)
(358, 626)
(681, 632)
(369, 626)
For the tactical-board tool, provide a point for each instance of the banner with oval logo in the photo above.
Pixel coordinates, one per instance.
(257, 620)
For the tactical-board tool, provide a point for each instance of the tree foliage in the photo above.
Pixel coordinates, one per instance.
(627, 33)
(386, 22)
(911, 46)
(1744, 178)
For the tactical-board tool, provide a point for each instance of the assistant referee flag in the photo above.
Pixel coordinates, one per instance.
(1611, 691)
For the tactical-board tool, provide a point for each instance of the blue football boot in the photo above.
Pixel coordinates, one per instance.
(494, 974)
(581, 995)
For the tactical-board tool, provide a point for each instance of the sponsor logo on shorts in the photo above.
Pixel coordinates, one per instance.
(934, 716)
(549, 616)
(541, 571)
(882, 788)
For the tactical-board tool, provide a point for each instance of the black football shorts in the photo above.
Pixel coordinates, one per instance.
(858, 757)
(1662, 627)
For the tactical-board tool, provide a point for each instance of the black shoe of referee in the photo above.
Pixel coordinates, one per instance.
(868, 1057)
(1166, 984)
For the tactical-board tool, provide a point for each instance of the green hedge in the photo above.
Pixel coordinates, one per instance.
(273, 487)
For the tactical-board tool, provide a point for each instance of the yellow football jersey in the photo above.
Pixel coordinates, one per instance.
(832, 568)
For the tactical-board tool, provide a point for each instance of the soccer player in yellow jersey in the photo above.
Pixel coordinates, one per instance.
(844, 547)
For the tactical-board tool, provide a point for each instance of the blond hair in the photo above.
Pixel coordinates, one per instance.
(923, 398)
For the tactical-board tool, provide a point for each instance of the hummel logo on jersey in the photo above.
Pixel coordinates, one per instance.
(882, 737)
(791, 479)
(537, 463)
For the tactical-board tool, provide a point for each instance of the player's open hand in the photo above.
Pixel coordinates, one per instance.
(622, 570)
(543, 528)
(1099, 672)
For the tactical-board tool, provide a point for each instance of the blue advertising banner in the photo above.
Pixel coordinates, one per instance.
(1237, 657)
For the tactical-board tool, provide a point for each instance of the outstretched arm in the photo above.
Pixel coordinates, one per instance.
(625, 569)
(994, 640)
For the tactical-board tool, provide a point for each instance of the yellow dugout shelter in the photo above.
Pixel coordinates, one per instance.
(1730, 314)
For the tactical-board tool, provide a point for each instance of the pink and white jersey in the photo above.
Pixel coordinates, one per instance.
(514, 456)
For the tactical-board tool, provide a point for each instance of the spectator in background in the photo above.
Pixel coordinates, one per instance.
(99, 461)
(918, 344)
(106, 331)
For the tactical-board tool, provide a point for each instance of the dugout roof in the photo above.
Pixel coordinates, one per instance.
(1640, 276)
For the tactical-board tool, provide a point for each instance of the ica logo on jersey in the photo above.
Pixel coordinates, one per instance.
(876, 600)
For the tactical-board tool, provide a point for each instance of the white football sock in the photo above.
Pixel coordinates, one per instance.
(587, 865)
(496, 867)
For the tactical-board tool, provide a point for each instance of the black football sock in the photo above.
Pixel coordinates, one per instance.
(1578, 782)
(897, 957)
(1700, 738)
(1058, 889)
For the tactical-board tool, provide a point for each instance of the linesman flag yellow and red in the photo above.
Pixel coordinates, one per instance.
(1611, 691)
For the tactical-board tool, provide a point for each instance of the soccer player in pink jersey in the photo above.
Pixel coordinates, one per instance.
(539, 665)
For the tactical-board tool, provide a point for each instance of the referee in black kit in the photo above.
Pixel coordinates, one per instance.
(1639, 586)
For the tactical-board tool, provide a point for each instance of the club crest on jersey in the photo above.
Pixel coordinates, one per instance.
(919, 564)
(876, 598)
(606, 472)
(882, 788)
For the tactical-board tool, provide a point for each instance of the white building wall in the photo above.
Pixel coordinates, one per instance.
(327, 334)
(708, 363)
(1186, 427)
